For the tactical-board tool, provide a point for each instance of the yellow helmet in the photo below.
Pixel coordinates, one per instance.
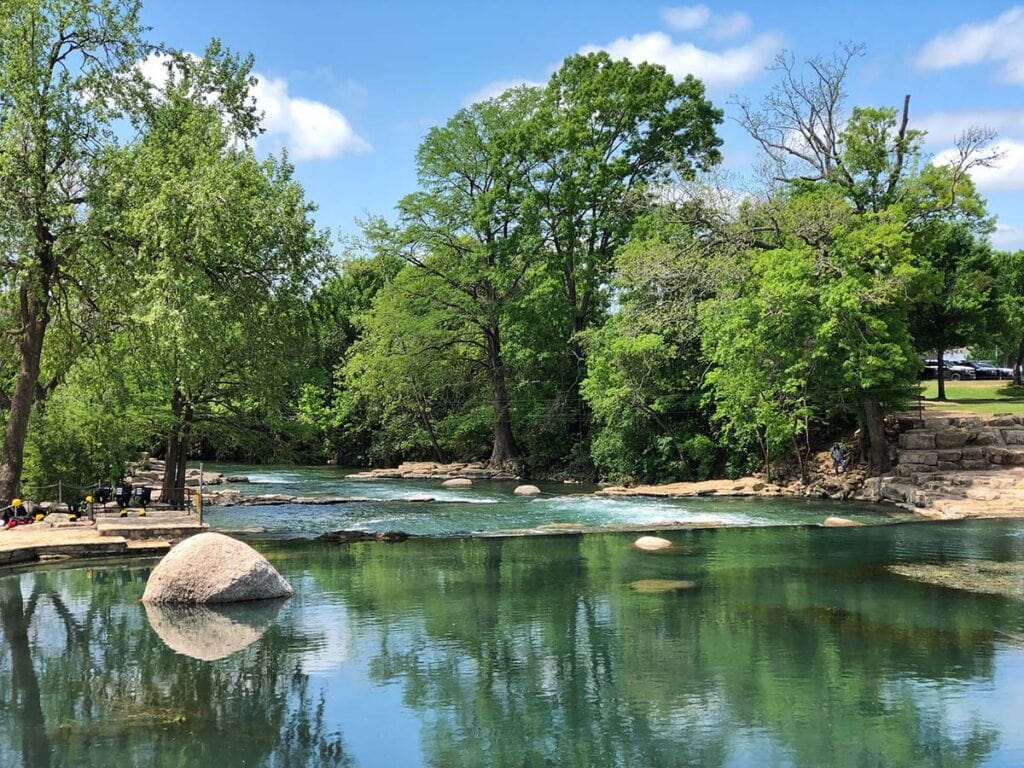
(88, 499)
(15, 502)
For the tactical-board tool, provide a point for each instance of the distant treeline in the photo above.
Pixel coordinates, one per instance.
(575, 288)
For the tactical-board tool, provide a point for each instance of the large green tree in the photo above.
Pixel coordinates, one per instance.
(223, 251)
(608, 139)
(61, 66)
(475, 228)
(867, 160)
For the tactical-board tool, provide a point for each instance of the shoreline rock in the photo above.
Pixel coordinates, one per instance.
(432, 470)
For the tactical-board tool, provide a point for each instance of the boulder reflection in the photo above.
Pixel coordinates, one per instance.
(209, 633)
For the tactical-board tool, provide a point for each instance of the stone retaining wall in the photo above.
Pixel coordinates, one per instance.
(957, 444)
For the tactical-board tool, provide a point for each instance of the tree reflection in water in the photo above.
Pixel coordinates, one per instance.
(794, 648)
(114, 694)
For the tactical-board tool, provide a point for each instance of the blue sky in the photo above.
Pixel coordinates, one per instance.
(351, 87)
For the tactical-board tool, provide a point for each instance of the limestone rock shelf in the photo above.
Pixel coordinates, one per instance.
(429, 470)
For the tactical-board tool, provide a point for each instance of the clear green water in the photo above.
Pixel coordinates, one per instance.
(794, 648)
(487, 506)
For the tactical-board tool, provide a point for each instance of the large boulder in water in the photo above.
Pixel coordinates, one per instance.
(457, 482)
(213, 568)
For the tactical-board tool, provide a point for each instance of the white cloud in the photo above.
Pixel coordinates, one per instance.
(1008, 237)
(944, 127)
(730, 25)
(497, 88)
(686, 18)
(1007, 174)
(311, 130)
(690, 18)
(728, 67)
(999, 40)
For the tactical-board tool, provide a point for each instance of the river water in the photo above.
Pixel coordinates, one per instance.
(781, 646)
(487, 506)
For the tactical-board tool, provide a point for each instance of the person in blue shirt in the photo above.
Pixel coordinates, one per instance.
(838, 460)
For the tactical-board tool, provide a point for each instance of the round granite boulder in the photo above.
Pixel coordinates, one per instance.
(214, 568)
(526, 490)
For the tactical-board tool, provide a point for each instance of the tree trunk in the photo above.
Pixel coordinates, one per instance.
(1018, 365)
(576, 400)
(800, 462)
(504, 454)
(183, 446)
(428, 425)
(874, 426)
(941, 369)
(172, 491)
(169, 490)
(34, 318)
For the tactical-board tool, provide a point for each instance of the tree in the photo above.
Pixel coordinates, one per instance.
(646, 369)
(957, 306)
(871, 157)
(609, 135)
(223, 250)
(416, 377)
(474, 227)
(62, 63)
(1009, 266)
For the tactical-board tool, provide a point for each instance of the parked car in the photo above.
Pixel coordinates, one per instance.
(953, 371)
(986, 369)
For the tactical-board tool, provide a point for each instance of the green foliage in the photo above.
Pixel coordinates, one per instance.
(84, 433)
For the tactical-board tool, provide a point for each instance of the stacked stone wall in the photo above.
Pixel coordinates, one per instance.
(960, 444)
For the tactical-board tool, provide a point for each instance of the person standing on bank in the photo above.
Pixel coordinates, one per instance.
(838, 461)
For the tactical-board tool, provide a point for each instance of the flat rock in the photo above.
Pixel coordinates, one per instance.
(213, 568)
(841, 522)
(661, 585)
(457, 482)
(652, 543)
(527, 490)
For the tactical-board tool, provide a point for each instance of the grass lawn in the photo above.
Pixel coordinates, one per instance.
(981, 397)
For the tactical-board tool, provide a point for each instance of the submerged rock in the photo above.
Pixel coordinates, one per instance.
(213, 568)
(211, 633)
(652, 543)
(347, 537)
(457, 482)
(982, 576)
(527, 490)
(841, 522)
(661, 585)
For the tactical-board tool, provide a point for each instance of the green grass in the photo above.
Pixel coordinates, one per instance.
(981, 397)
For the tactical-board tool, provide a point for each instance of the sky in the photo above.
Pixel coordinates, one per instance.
(350, 88)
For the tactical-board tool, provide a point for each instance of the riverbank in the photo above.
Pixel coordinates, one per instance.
(59, 539)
